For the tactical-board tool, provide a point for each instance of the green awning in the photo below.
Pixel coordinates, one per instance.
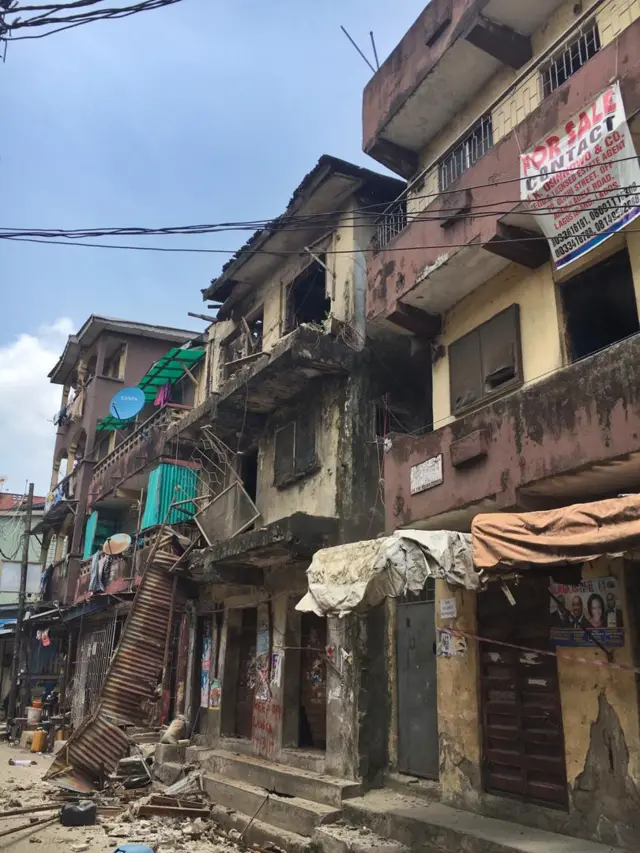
(170, 368)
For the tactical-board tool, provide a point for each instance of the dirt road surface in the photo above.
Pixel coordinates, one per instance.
(23, 787)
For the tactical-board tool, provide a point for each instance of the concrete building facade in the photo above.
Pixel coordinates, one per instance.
(534, 401)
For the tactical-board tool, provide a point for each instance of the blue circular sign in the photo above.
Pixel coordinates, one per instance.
(126, 404)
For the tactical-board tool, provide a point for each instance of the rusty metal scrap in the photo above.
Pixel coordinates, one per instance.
(129, 692)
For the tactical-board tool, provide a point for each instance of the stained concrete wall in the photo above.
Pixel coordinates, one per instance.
(534, 291)
(601, 727)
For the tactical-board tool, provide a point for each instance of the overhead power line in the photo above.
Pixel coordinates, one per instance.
(48, 19)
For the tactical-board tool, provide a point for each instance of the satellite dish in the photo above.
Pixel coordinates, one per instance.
(126, 404)
(117, 544)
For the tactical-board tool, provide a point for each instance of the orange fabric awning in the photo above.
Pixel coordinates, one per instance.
(571, 534)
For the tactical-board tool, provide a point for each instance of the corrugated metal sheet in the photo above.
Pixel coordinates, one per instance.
(129, 687)
(169, 484)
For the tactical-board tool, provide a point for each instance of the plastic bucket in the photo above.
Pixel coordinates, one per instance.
(33, 716)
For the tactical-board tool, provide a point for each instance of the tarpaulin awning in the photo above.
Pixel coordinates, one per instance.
(362, 574)
(168, 369)
(571, 534)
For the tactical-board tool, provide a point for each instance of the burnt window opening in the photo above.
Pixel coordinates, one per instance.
(307, 300)
(599, 306)
(295, 450)
(248, 472)
(243, 344)
(571, 58)
(487, 361)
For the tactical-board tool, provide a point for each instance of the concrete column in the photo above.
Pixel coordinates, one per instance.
(268, 712)
(458, 705)
(342, 756)
(291, 677)
(228, 670)
(101, 354)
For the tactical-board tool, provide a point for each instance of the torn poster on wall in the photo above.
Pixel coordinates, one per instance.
(215, 693)
(205, 666)
(449, 645)
(587, 611)
(262, 656)
(583, 181)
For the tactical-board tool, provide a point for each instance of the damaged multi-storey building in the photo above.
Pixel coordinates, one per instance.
(518, 699)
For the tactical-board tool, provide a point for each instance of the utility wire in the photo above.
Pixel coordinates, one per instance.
(50, 16)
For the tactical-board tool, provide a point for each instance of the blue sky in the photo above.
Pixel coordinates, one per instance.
(204, 111)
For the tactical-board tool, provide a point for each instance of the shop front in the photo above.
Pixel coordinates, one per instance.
(538, 670)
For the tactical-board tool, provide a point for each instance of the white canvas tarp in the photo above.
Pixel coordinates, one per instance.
(362, 574)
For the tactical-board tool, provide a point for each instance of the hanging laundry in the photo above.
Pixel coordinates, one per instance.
(163, 395)
(95, 581)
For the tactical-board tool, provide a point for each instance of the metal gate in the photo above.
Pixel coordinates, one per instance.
(313, 682)
(92, 661)
(522, 720)
(417, 686)
(246, 672)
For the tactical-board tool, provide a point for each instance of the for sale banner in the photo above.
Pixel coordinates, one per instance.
(583, 181)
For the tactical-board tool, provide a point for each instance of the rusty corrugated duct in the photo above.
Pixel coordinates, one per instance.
(129, 690)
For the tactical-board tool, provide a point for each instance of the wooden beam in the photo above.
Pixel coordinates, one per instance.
(416, 321)
(504, 44)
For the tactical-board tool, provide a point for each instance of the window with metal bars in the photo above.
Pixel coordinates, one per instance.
(571, 58)
(466, 153)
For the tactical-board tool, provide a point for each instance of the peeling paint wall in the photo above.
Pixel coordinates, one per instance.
(315, 493)
(458, 706)
(601, 728)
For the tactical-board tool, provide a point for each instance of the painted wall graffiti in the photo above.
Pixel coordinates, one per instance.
(267, 717)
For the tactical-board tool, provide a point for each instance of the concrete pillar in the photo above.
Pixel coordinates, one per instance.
(228, 671)
(291, 677)
(458, 705)
(268, 709)
(342, 756)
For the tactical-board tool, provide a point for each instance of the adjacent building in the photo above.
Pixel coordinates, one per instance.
(534, 389)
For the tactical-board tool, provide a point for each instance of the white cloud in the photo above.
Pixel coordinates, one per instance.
(28, 402)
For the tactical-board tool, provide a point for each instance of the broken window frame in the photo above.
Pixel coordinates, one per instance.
(488, 388)
(245, 342)
(290, 318)
(303, 454)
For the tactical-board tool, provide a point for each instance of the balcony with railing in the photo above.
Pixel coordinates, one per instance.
(464, 219)
(135, 452)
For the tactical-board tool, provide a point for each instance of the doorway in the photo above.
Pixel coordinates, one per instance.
(313, 682)
(418, 753)
(523, 737)
(246, 672)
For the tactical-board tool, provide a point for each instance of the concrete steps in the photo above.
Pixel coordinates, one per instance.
(292, 782)
(293, 814)
(421, 825)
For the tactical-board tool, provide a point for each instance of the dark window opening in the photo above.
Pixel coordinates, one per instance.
(486, 361)
(295, 451)
(243, 344)
(249, 473)
(466, 153)
(600, 306)
(307, 300)
(571, 58)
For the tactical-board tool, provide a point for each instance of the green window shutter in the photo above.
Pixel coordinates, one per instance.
(89, 535)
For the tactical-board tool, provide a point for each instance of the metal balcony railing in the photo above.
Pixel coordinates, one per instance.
(595, 29)
(159, 421)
